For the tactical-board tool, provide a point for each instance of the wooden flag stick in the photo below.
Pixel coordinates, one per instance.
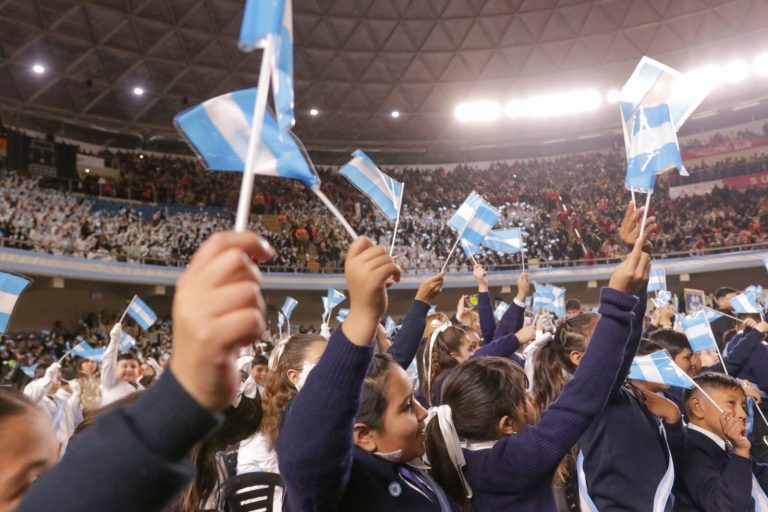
(645, 213)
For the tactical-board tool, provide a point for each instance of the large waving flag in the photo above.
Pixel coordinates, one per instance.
(285, 312)
(660, 368)
(219, 130)
(11, 288)
(657, 280)
(698, 332)
(474, 219)
(509, 241)
(273, 18)
(143, 314)
(385, 192)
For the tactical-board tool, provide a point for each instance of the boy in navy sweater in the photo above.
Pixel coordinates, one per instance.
(718, 473)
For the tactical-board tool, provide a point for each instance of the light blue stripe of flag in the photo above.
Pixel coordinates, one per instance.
(86, 351)
(368, 178)
(11, 288)
(474, 219)
(509, 241)
(657, 280)
(470, 249)
(288, 306)
(663, 297)
(143, 314)
(219, 130)
(698, 332)
(126, 342)
(712, 314)
(745, 303)
(653, 148)
(335, 297)
(750, 423)
(659, 368)
(549, 297)
(342, 314)
(390, 326)
(498, 313)
(29, 371)
(263, 18)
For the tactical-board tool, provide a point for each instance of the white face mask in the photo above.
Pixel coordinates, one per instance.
(304, 374)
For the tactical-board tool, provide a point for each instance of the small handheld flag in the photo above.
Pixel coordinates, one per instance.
(712, 314)
(508, 241)
(126, 342)
(330, 301)
(657, 280)
(390, 326)
(699, 332)
(474, 219)
(750, 424)
(285, 312)
(29, 371)
(498, 313)
(342, 314)
(11, 288)
(549, 298)
(86, 351)
(385, 192)
(659, 368)
(432, 309)
(139, 311)
(663, 298)
(745, 302)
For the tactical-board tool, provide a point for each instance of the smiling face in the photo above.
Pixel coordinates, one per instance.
(128, 370)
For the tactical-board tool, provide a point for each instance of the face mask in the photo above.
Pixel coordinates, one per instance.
(304, 374)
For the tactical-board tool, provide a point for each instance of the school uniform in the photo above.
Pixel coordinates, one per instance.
(515, 472)
(722, 325)
(321, 467)
(755, 368)
(511, 322)
(63, 411)
(114, 388)
(406, 343)
(713, 478)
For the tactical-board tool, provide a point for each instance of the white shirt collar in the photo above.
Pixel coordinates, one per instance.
(714, 437)
(473, 446)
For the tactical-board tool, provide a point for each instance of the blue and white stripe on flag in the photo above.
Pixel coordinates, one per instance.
(219, 130)
(498, 313)
(11, 288)
(660, 368)
(698, 332)
(86, 351)
(332, 299)
(712, 314)
(143, 314)
(263, 18)
(663, 297)
(385, 192)
(549, 297)
(470, 249)
(342, 314)
(745, 302)
(657, 280)
(29, 371)
(126, 342)
(508, 241)
(750, 423)
(474, 219)
(390, 326)
(653, 148)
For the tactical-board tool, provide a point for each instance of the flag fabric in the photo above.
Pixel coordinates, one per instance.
(86, 351)
(432, 309)
(219, 130)
(498, 313)
(470, 249)
(663, 298)
(528, 302)
(331, 300)
(390, 326)
(263, 18)
(126, 342)
(143, 314)
(660, 368)
(698, 332)
(385, 192)
(342, 314)
(474, 219)
(712, 314)
(285, 312)
(750, 423)
(508, 241)
(29, 371)
(745, 302)
(549, 297)
(657, 280)
(11, 288)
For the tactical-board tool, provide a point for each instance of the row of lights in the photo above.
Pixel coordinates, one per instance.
(586, 100)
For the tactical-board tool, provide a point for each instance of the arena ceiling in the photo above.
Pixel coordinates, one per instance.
(356, 60)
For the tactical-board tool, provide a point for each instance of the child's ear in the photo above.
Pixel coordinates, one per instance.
(506, 427)
(363, 438)
(293, 376)
(695, 408)
(575, 357)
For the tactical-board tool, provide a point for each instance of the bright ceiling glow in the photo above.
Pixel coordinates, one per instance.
(138, 91)
(612, 96)
(313, 112)
(551, 105)
(39, 69)
(480, 111)
(736, 71)
(395, 114)
(761, 65)
(710, 76)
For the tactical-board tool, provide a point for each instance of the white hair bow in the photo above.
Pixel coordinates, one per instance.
(452, 443)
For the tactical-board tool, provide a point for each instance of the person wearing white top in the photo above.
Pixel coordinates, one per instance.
(62, 410)
(256, 454)
(118, 376)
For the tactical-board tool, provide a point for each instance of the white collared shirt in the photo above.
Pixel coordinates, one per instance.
(714, 437)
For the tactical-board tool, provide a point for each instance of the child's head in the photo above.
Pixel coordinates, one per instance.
(297, 358)
(28, 446)
(724, 390)
(471, 319)
(452, 346)
(390, 421)
(259, 369)
(573, 308)
(560, 357)
(678, 347)
(127, 367)
(723, 296)
(88, 367)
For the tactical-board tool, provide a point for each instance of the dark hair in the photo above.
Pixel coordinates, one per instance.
(647, 347)
(479, 392)
(446, 342)
(554, 359)
(259, 360)
(374, 399)
(675, 342)
(13, 404)
(723, 291)
(710, 380)
(127, 356)
(573, 304)
(90, 418)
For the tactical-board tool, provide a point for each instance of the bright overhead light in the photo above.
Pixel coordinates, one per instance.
(39, 69)
(553, 105)
(395, 114)
(480, 111)
(710, 76)
(761, 65)
(313, 112)
(736, 71)
(612, 96)
(138, 91)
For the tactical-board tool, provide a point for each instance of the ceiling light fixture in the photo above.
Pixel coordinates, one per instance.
(38, 69)
(138, 91)
(612, 96)
(760, 65)
(736, 71)
(480, 111)
(395, 114)
(313, 112)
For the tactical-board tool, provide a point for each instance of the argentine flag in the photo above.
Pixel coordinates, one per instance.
(143, 314)
(29, 371)
(470, 249)
(653, 148)
(657, 280)
(330, 301)
(712, 314)
(508, 241)
(86, 351)
(263, 18)
(698, 332)
(474, 219)
(549, 298)
(342, 314)
(219, 129)
(746, 302)
(11, 288)
(659, 368)
(385, 192)
(390, 326)
(498, 313)
(126, 342)
(286, 311)
(663, 297)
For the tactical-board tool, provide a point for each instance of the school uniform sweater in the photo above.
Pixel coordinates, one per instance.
(133, 458)
(511, 322)
(714, 479)
(406, 343)
(321, 468)
(755, 368)
(516, 473)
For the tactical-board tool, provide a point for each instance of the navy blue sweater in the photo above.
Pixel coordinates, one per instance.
(408, 338)
(511, 322)
(516, 474)
(713, 480)
(133, 458)
(755, 369)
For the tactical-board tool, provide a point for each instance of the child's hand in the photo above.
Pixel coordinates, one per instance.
(733, 428)
(431, 288)
(630, 226)
(479, 274)
(761, 327)
(523, 287)
(662, 407)
(751, 391)
(461, 307)
(631, 275)
(526, 335)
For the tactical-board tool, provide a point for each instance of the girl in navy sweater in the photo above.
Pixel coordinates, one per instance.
(506, 464)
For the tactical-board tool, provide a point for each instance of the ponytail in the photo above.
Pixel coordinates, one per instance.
(442, 465)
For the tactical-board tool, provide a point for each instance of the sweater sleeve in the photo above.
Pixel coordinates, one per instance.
(761, 473)
(500, 347)
(407, 341)
(485, 312)
(740, 350)
(633, 342)
(676, 441)
(133, 456)
(523, 459)
(314, 447)
(714, 490)
(512, 321)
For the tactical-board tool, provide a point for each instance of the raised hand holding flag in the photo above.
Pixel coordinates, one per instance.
(139, 311)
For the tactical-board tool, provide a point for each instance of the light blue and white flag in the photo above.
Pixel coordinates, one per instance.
(698, 332)
(143, 314)
(330, 301)
(29, 371)
(659, 368)
(390, 326)
(498, 313)
(750, 423)
(474, 219)
(549, 297)
(385, 192)
(508, 241)
(86, 351)
(126, 342)
(219, 130)
(342, 314)
(712, 314)
(470, 249)
(746, 302)
(264, 18)
(663, 298)
(528, 302)
(11, 288)
(657, 280)
(285, 312)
